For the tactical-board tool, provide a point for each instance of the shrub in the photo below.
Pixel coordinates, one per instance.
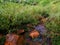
(2, 40)
(12, 16)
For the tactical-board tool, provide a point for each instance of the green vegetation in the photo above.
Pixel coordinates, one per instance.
(13, 13)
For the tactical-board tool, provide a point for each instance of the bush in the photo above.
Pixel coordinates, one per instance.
(12, 16)
(2, 40)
